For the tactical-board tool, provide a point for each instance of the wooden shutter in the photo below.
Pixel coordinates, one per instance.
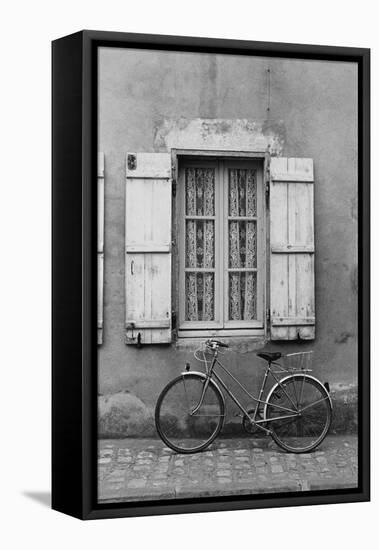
(292, 303)
(100, 246)
(148, 248)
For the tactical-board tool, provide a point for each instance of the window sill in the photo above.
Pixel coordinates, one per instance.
(242, 344)
(251, 332)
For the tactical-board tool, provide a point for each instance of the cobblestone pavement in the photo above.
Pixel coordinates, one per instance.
(144, 469)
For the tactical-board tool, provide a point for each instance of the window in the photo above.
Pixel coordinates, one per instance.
(221, 248)
(215, 215)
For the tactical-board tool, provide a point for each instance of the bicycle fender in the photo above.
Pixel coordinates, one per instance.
(211, 381)
(275, 387)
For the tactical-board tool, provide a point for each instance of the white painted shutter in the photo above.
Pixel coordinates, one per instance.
(148, 248)
(100, 246)
(292, 303)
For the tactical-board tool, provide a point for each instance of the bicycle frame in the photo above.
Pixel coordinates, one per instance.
(210, 372)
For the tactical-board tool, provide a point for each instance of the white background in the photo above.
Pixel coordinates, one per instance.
(27, 29)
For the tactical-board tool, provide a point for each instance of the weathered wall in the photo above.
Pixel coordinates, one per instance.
(312, 113)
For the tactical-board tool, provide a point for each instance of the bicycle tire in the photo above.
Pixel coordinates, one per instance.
(309, 428)
(178, 429)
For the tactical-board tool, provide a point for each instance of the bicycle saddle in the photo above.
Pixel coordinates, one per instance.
(270, 356)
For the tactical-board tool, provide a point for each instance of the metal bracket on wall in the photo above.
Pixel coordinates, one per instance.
(132, 162)
(131, 338)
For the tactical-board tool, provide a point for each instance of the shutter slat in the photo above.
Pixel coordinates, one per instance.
(290, 321)
(292, 169)
(148, 248)
(292, 249)
(158, 323)
(148, 165)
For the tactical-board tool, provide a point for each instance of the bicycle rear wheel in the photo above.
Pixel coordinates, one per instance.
(299, 413)
(184, 422)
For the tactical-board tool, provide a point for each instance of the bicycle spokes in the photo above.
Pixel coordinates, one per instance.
(190, 413)
(305, 429)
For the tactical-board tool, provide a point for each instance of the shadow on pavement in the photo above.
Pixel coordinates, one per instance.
(42, 497)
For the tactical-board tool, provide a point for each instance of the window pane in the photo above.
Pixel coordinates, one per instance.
(242, 296)
(200, 191)
(200, 243)
(199, 296)
(242, 193)
(242, 244)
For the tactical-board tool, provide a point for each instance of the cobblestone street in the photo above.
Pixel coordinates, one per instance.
(144, 469)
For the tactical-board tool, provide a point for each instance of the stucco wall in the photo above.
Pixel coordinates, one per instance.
(312, 113)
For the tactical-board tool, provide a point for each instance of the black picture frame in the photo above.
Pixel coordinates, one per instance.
(74, 206)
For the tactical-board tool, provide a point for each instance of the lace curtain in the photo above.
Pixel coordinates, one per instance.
(242, 199)
(200, 243)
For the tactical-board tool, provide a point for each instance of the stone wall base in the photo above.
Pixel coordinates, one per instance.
(123, 414)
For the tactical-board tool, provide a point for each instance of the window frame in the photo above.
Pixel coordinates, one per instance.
(222, 326)
(199, 325)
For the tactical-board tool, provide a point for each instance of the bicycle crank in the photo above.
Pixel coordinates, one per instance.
(248, 426)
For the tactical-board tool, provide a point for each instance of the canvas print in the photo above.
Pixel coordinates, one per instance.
(227, 275)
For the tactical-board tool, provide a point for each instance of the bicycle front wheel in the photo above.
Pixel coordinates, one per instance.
(188, 418)
(299, 413)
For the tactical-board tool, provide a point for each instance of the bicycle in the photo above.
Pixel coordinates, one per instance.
(296, 413)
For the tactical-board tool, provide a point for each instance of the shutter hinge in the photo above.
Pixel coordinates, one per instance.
(268, 316)
(267, 181)
(132, 162)
(173, 188)
(267, 184)
(173, 320)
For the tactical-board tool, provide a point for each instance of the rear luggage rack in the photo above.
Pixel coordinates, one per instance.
(298, 362)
